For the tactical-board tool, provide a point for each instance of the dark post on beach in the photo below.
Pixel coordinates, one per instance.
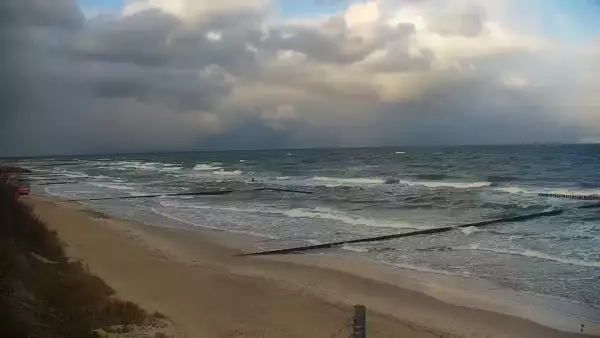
(360, 322)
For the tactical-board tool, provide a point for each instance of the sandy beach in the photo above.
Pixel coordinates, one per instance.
(207, 291)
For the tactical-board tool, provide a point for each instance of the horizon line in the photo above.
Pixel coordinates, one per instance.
(126, 153)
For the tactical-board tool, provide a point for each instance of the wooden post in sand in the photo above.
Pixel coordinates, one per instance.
(359, 326)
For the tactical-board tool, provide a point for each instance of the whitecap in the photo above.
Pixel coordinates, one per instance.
(468, 230)
(171, 169)
(513, 190)
(442, 184)
(223, 172)
(339, 181)
(208, 166)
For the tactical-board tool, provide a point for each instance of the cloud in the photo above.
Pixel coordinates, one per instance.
(190, 74)
(40, 13)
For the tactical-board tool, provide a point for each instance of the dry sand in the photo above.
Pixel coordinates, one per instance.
(209, 292)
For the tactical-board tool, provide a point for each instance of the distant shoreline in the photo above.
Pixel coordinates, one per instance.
(129, 254)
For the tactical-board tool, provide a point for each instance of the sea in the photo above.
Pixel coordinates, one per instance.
(364, 192)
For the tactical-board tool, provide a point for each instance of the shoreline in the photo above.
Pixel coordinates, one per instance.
(323, 283)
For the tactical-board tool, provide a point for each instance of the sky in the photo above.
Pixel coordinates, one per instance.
(106, 76)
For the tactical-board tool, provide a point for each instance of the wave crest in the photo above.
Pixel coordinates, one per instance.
(537, 255)
(208, 166)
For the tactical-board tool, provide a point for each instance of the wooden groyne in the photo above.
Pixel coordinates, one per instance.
(197, 193)
(573, 197)
(405, 234)
(58, 183)
(284, 190)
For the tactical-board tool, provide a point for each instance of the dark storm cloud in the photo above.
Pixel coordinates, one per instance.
(40, 13)
(141, 38)
(154, 79)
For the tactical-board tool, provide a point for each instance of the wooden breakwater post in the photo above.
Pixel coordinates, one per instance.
(359, 325)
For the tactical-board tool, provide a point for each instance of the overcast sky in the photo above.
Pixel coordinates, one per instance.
(99, 76)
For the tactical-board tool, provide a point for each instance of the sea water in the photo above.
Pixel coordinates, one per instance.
(363, 192)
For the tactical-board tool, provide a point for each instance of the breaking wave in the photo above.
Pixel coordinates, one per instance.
(336, 215)
(224, 172)
(338, 181)
(208, 166)
(535, 254)
(316, 213)
(443, 184)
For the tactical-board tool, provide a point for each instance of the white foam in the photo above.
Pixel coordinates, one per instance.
(355, 248)
(71, 174)
(514, 190)
(339, 181)
(316, 213)
(422, 269)
(223, 172)
(187, 221)
(208, 166)
(400, 152)
(468, 230)
(535, 254)
(110, 186)
(137, 165)
(283, 178)
(170, 169)
(169, 204)
(335, 215)
(442, 184)
(137, 193)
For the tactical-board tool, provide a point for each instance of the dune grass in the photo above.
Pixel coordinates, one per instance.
(42, 293)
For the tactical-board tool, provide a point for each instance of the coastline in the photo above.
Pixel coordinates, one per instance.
(208, 291)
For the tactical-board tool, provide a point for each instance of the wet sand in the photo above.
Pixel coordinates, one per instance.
(196, 279)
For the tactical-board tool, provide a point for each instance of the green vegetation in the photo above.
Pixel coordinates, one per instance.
(42, 293)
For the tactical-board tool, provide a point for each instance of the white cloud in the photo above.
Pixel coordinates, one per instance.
(214, 36)
(514, 81)
(194, 9)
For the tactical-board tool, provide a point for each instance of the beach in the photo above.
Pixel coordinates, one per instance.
(199, 282)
